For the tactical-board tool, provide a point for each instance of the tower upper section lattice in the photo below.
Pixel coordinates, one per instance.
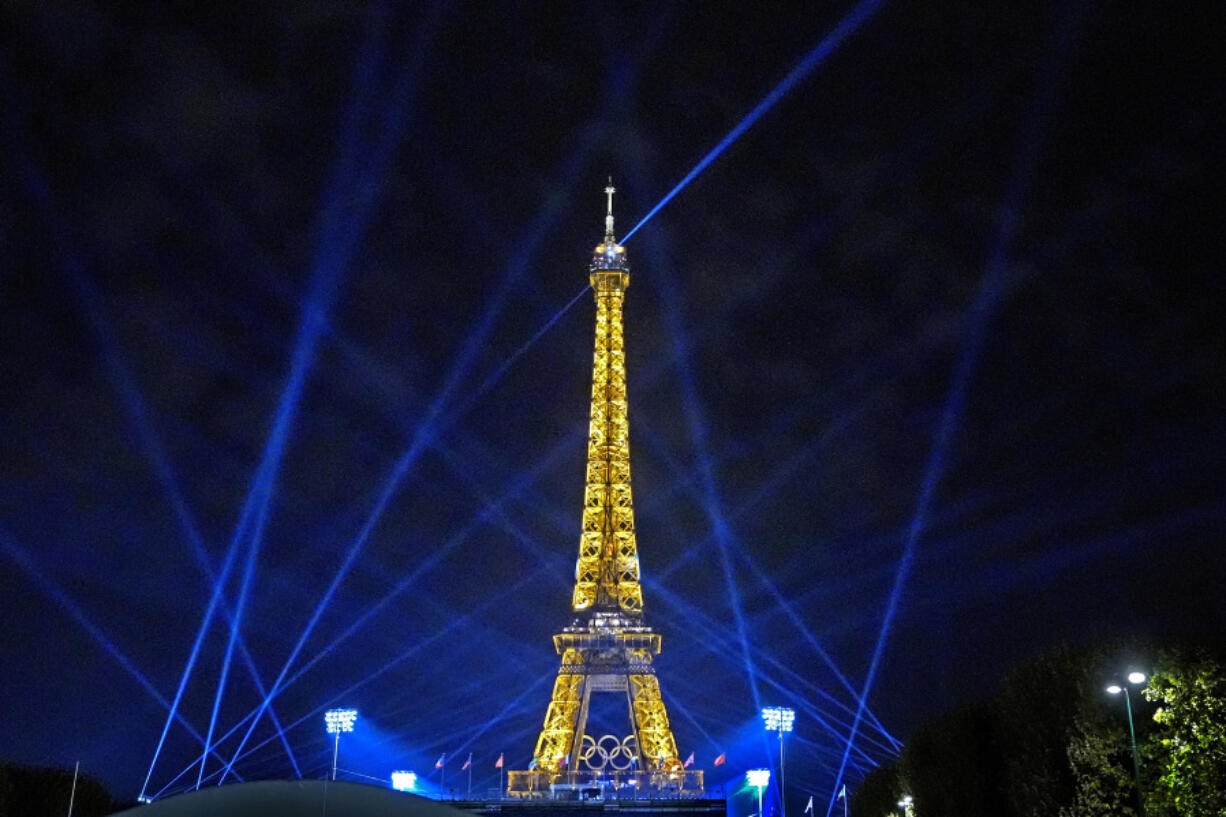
(607, 571)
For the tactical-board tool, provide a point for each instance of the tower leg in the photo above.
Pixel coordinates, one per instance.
(657, 746)
(558, 732)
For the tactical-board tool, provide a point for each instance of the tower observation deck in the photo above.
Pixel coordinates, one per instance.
(607, 649)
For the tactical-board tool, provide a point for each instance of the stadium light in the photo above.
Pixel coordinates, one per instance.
(337, 721)
(404, 781)
(779, 719)
(759, 779)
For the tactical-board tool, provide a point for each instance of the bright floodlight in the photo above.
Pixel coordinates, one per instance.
(759, 778)
(404, 781)
(1115, 689)
(340, 720)
(1136, 677)
(778, 718)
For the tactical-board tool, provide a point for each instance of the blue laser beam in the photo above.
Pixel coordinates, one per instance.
(497, 374)
(492, 507)
(420, 442)
(343, 225)
(855, 18)
(981, 311)
(425, 431)
(711, 501)
(764, 489)
(74, 268)
(20, 556)
(696, 619)
(537, 554)
(138, 415)
(457, 622)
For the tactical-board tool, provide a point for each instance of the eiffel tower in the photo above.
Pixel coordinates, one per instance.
(607, 648)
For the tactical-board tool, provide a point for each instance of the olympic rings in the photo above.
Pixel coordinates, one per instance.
(608, 752)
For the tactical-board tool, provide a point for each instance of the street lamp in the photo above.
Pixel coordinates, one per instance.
(779, 719)
(759, 779)
(1116, 689)
(337, 721)
(907, 805)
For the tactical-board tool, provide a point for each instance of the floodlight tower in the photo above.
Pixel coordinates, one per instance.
(779, 719)
(337, 721)
(759, 779)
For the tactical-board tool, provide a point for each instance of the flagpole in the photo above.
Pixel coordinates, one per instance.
(72, 797)
(442, 777)
(470, 776)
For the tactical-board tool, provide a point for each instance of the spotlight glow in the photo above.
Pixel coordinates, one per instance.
(1115, 689)
(1136, 677)
(404, 781)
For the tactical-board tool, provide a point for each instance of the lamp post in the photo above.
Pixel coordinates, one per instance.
(907, 804)
(1116, 689)
(779, 719)
(759, 779)
(337, 721)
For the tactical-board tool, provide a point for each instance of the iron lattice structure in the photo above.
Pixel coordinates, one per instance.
(612, 650)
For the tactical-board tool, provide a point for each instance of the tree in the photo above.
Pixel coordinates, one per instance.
(954, 766)
(1103, 787)
(1190, 690)
(877, 793)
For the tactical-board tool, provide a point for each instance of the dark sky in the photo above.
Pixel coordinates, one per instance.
(942, 326)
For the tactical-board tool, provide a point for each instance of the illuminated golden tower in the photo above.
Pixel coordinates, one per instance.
(611, 650)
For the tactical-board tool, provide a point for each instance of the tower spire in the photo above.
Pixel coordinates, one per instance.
(608, 219)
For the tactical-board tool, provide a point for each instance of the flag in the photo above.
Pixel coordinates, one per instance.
(532, 765)
(498, 764)
(689, 761)
(809, 808)
(842, 792)
(563, 761)
(721, 760)
(468, 762)
(438, 764)
(660, 764)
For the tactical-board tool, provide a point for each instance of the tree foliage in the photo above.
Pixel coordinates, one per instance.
(1052, 742)
(1103, 787)
(956, 763)
(1191, 694)
(878, 792)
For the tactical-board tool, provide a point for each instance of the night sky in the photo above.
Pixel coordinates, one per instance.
(296, 290)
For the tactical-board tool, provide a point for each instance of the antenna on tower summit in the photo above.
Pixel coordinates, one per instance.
(608, 219)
